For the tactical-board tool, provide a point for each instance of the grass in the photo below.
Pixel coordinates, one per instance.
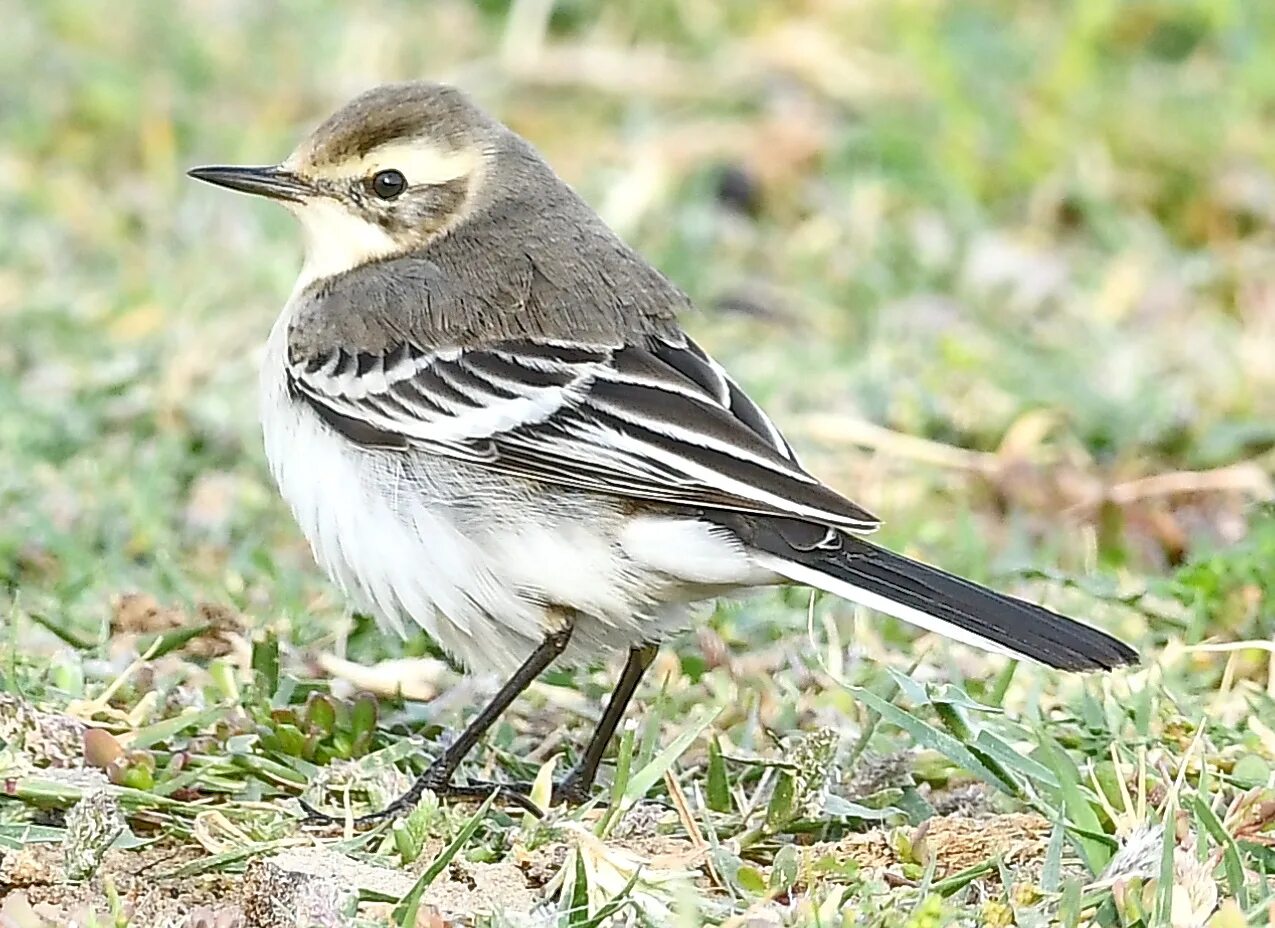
(1030, 245)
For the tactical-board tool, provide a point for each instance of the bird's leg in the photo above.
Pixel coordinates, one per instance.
(437, 777)
(575, 788)
(578, 783)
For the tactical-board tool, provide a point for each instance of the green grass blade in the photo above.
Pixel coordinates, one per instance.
(1022, 764)
(1051, 872)
(404, 913)
(928, 736)
(649, 775)
(1079, 811)
(718, 790)
(1232, 863)
(1162, 915)
(164, 730)
(613, 905)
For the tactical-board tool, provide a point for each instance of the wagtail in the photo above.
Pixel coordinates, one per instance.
(483, 412)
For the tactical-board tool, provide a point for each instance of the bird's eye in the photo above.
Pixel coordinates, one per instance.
(388, 184)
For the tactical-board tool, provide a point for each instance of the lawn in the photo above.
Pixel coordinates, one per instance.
(1003, 272)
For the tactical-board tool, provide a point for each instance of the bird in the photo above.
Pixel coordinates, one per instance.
(481, 407)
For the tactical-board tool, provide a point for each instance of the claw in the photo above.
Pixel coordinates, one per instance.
(477, 791)
(567, 791)
(571, 792)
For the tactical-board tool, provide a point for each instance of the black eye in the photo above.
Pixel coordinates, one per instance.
(388, 184)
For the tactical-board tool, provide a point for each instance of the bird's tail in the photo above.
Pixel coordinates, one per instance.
(959, 609)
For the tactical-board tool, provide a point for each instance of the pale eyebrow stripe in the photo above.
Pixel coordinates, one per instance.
(420, 163)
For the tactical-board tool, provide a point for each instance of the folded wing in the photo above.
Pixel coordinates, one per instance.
(657, 421)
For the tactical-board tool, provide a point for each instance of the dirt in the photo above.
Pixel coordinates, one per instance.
(163, 884)
(321, 885)
(957, 843)
(37, 872)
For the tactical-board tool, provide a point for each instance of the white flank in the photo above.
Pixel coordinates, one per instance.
(692, 551)
(384, 541)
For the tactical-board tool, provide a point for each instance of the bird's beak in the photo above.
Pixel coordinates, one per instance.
(272, 181)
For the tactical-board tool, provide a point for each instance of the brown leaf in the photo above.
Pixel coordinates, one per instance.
(141, 614)
(100, 748)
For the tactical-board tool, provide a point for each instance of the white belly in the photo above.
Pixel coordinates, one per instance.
(402, 561)
(411, 549)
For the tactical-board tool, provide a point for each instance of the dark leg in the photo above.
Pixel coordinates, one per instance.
(575, 788)
(437, 777)
(579, 782)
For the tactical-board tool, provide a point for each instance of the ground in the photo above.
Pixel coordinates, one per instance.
(1003, 272)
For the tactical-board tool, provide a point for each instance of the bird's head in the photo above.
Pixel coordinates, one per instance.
(386, 174)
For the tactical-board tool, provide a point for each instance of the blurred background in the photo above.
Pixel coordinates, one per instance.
(1004, 271)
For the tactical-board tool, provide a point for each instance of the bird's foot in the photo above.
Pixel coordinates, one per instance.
(571, 790)
(437, 780)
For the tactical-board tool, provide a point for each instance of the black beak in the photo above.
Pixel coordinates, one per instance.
(273, 182)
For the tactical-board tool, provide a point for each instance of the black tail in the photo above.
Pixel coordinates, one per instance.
(941, 602)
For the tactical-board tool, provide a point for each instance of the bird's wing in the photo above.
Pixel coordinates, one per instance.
(656, 421)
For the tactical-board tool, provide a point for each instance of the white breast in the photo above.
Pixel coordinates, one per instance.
(412, 548)
(396, 555)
